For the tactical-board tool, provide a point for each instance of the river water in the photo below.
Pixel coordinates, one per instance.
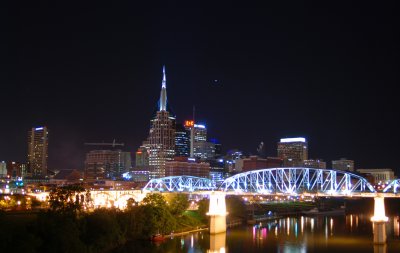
(336, 234)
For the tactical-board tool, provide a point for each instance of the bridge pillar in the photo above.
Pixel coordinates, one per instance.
(379, 221)
(217, 213)
(217, 243)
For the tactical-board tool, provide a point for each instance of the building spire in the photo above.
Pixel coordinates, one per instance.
(163, 96)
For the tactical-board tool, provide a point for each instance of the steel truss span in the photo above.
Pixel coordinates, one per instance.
(297, 181)
(393, 186)
(180, 184)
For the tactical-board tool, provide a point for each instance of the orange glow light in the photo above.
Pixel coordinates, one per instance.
(189, 123)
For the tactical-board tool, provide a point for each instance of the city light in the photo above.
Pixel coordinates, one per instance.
(297, 139)
(189, 123)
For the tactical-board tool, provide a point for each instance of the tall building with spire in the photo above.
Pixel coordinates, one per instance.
(161, 140)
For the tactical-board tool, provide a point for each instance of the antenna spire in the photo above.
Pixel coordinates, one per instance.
(163, 95)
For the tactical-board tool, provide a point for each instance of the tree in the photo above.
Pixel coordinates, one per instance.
(178, 204)
(155, 199)
(203, 208)
(155, 216)
(130, 203)
(66, 198)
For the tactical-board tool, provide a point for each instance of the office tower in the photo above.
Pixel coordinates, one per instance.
(38, 142)
(183, 166)
(250, 163)
(217, 170)
(16, 169)
(379, 175)
(199, 147)
(274, 162)
(3, 169)
(232, 156)
(343, 164)
(317, 163)
(161, 138)
(293, 151)
(217, 147)
(204, 150)
(189, 126)
(200, 133)
(182, 141)
(106, 164)
(142, 157)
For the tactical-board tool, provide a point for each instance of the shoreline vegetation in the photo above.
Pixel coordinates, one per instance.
(66, 227)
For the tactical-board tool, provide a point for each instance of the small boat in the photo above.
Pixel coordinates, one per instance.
(157, 238)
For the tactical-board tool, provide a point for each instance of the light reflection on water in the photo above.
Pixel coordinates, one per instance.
(350, 233)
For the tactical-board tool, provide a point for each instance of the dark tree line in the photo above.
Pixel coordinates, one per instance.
(65, 227)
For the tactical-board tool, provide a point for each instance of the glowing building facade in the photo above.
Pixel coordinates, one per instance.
(106, 164)
(38, 143)
(293, 151)
(199, 146)
(182, 166)
(182, 141)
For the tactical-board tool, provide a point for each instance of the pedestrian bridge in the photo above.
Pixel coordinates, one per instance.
(289, 181)
(180, 184)
(297, 181)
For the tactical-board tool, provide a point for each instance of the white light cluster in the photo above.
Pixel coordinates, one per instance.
(298, 139)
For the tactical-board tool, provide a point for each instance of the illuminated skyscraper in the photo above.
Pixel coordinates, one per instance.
(38, 142)
(200, 133)
(199, 147)
(293, 151)
(142, 156)
(161, 140)
(106, 164)
(182, 141)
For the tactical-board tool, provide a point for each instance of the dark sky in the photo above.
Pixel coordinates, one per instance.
(325, 71)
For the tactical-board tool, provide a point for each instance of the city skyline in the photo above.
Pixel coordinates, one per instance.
(251, 79)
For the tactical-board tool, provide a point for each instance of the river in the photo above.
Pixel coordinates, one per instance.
(336, 234)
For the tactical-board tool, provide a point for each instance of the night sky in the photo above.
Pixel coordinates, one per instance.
(92, 73)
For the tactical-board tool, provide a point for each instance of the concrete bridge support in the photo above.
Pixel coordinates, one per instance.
(217, 213)
(379, 221)
(217, 243)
